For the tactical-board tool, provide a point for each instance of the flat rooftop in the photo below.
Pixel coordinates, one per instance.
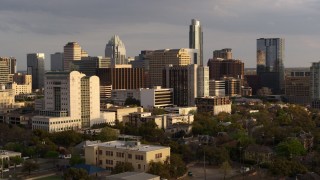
(129, 145)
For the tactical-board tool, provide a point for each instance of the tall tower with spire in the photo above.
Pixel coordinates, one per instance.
(116, 50)
(196, 39)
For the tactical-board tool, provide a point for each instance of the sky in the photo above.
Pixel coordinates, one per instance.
(45, 26)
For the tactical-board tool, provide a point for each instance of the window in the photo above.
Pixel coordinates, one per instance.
(139, 157)
(119, 154)
(109, 153)
(139, 166)
(100, 152)
(110, 162)
(130, 156)
(159, 155)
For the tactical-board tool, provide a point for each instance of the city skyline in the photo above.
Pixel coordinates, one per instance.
(29, 27)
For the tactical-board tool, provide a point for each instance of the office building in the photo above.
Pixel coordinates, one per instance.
(232, 86)
(11, 63)
(6, 98)
(160, 58)
(219, 68)
(119, 96)
(116, 50)
(22, 78)
(270, 69)
(187, 82)
(89, 65)
(196, 39)
(108, 154)
(35, 67)
(72, 51)
(297, 87)
(72, 101)
(121, 112)
(142, 61)
(20, 88)
(213, 105)
(222, 54)
(4, 73)
(217, 88)
(315, 84)
(156, 97)
(57, 61)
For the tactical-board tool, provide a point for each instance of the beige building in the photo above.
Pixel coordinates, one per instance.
(22, 78)
(108, 154)
(20, 88)
(213, 104)
(120, 112)
(7, 156)
(6, 98)
(160, 58)
(72, 52)
(180, 110)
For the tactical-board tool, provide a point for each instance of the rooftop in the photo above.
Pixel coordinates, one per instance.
(130, 145)
(133, 176)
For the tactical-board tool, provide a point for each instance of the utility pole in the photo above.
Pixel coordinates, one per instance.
(204, 164)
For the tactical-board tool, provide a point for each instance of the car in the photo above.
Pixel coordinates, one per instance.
(190, 173)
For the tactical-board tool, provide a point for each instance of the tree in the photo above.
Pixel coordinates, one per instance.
(225, 169)
(290, 148)
(107, 134)
(53, 155)
(177, 166)
(158, 168)
(158, 111)
(75, 174)
(76, 159)
(29, 165)
(281, 166)
(16, 161)
(132, 101)
(122, 167)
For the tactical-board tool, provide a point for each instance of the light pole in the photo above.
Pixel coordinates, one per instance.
(204, 163)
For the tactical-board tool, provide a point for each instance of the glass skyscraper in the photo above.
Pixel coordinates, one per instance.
(270, 69)
(196, 39)
(35, 67)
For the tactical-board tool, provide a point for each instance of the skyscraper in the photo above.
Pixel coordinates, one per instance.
(72, 52)
(196, 38)
(270, 69)
(57, 61)
(35, 67)
(116, 50)
(4, 72)
(11, 63)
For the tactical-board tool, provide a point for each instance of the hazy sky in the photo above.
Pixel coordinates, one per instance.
(28, 26)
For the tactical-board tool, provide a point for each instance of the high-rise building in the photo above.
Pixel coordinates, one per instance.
(160, 58)
(11, 62)
(219, 68)
(88, 65)
(196, 38)
(71, 102)
(72, 51)
(217, 88)
(270, 69)
(187, 82)
(4, 73)
(232, 86)
(315, 84)
(223, 53)
(116, 50)
(297, 87)
(22, 78)
(156, 97)
(57, 61)
(213, 104)
(35, 67)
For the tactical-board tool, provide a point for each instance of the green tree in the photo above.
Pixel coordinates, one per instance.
(160, 169)
(76, 174)
(177, 166)
(281, 166)
(158, 111)
(290, 148)
(76, 159)
(225, 169)
(122, 167)
(29, 165)
(132, 101)
(107, 134)
(16, 160)
(66, 138)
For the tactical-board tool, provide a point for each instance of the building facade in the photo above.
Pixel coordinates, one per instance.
(57, 61)
(297, 87)
(35, 67)
(72, 51)
(222, 54)
(4, 73)
(89, 65)
(219, 68)
(108, 154)
(156, 97)
(213, 104)
(196, 39)
(217, 88)
(270, 68)
(116, 50)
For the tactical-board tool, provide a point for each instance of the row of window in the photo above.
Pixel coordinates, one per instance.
(122, 155)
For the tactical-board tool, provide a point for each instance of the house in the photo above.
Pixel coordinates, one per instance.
(258, 153)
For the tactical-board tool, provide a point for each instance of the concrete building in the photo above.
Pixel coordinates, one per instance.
(72, 101)
(315, 84)
(232, 86)
(20, 88)
(57, 61)
(270, 68)
(213, 104)
(4, 73)
(196, 39)
(120, 112)
(116, 50)
(22, 78)
(35, 67)
(217, 88)
(180, 110)
(6, 98)
(297, 87)
(160, 58)
(156, 97)
(188, 82)
(107, 154)
(72, 51)
(17, 117)
(7, 156)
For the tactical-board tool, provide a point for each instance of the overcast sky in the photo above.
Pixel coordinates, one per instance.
(28, 26)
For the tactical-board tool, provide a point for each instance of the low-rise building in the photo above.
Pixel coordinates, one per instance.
(108, 154)
(156, 97)
(20, 88)
(119, 96)
(7, 156)
(6, 98)
(213, 104)
(180, 110)
(120, 112)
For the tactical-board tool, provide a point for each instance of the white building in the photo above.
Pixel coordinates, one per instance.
(20, 88)
(156, 97)
(72, 101)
